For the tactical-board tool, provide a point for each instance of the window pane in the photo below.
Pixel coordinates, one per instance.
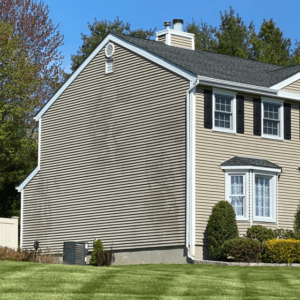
(237, 185)
(271, 111)
(223, 102)
(222, 120)
(271, 127)
(238, 205)
(262, 196)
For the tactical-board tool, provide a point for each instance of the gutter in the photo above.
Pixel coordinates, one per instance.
(190, 170)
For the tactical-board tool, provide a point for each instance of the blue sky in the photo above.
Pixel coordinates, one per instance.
(73, 15)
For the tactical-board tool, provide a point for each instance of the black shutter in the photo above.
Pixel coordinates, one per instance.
(287, 121)
(208, 109)
(240, 114)
(256, 116)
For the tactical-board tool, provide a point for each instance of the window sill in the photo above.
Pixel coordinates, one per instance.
(224, 131)
(272, 138)
(264, 220)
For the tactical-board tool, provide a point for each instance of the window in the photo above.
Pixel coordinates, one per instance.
(272, 118)
(236, 193)
(224, 111)
(109, 68)
(252, 192)
(264, 206)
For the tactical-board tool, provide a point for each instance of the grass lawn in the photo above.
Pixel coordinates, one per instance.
(25, 280)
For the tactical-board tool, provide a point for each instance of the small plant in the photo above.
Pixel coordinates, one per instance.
(221, 227)
(98, 246)
(297, 222)
(285, 234)
(105, 258)
(243, 249)
(260, 233)
(283, 251)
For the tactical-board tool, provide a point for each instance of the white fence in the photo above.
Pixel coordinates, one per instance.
(9, 232)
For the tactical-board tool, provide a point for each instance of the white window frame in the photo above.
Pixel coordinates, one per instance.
(273, 196)
(245, 174)
(106, 66)
(281, 119)
(233, 108)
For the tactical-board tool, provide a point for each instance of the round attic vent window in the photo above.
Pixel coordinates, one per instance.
(109, 50)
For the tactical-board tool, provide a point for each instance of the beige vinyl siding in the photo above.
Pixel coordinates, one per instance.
(180, 41)
(294, 87)
(162, 38)
(213, 148)
(112, 160)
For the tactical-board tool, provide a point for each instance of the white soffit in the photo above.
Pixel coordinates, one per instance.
(152, 57)
(286, 82)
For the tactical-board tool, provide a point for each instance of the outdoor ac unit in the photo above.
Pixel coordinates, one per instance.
(75, 253)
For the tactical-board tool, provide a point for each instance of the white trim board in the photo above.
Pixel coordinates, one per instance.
(27, 180)
(175, 32)
(286, 82)
(251, 168)
(111, 37)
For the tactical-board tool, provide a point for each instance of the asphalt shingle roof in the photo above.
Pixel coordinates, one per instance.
(216, 65)
(248, 161)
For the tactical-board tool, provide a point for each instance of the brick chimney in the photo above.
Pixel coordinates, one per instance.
(176, 37)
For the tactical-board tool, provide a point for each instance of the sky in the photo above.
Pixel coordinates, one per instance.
(73, 15)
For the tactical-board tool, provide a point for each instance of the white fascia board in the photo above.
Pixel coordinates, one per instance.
(175, 32)
(289, 95)
(286, 82)
(251, 168)
(27, 180)
(138, 50)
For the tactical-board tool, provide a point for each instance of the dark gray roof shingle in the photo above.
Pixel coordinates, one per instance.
(216, 65)
(248, 161)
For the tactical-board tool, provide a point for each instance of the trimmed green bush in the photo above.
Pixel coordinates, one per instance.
(260, 233)
(284, 234)
(243, 249)
(297, 222)
(98, 246)
(221, 227)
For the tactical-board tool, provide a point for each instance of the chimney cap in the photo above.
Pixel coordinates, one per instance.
(177, 21)
(167, 24)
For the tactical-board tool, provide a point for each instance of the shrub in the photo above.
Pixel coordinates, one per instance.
(105, 258)
(221, 227)
(98, 246)
(285, 234)
(297, 221)
(283, 251)
(243, 249)
(260, 233)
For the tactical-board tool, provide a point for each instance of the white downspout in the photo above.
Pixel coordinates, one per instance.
(190, 171)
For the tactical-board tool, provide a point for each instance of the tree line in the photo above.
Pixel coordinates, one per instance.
(31, 71)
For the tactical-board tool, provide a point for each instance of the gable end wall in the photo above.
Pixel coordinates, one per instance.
(294, 87)
(113, 160)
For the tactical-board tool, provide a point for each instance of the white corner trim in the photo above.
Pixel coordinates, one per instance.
(190, 169)
(241, 168)
(39, 145)
(21, 221)
(286, 82)
(111, 37)
(27, 180)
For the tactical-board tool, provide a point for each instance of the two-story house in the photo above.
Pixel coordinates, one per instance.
(146, 136)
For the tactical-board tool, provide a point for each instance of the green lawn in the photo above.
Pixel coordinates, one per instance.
(24, 280)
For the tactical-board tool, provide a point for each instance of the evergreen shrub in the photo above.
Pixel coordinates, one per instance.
(221, 227)
(242, 249)
(260, 233)
(98, 246)
(297, 222)
(285, 234)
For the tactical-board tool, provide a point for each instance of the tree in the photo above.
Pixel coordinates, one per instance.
(270, 46)
(233, 36)
(40, 41)
(18, 79)
(204, 36)
(99, 29)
